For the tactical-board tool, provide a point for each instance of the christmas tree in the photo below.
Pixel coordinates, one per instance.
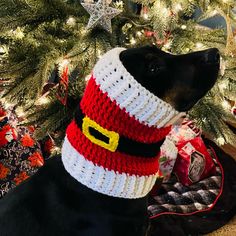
(48, 48)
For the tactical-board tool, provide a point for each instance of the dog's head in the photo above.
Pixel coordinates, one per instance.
(180, 80)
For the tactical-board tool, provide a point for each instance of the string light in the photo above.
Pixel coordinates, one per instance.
(199, 45)
(83, 31)
(183, 27)
(223, 85)
(139, 33)
(42, 101)
(222, 66)
(87, 77)
(133, 41)
(226, 105)
(19, 34)
(99, 53)
(56, 150)
(165, 11)
(221, 141)
(20, 112)
(178, 7)
(145, 16)
(2, 50)
(215, 12)
(119, 4)
(71, 21)
(167, 45)
(64, 63)
(88, 1)
(7, 104)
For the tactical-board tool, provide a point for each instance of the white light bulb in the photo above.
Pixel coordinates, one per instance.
(87, 78)
(183, 27)
(226, 105)
(221, 141)
(167, 45)
(99, 53)
(83, 31)
(165, 11)
(55, 149)
(139, 33)
(119, 4)
(199, 45)
(71, 21)
(223, 85)
(64, 63)
(42, 100)
(132, 41)
(2, 50)
(7, 105)
(20, 112)
(178, 7)
(18, 33)
(215, 12)
(145, 16)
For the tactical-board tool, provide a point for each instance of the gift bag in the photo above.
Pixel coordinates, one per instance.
(193, 163)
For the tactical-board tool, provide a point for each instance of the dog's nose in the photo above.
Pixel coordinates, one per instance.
(212, 56)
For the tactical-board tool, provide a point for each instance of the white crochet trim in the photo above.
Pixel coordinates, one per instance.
(102, 180)
(128, 93)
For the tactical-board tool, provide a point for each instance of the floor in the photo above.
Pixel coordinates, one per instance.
(227, 230)
(230, 228)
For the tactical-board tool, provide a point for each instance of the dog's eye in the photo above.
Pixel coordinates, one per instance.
(154, 68)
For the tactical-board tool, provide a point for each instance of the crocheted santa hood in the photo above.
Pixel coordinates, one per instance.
(112, 145)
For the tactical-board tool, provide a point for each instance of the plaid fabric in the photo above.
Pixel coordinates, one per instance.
(173, 197)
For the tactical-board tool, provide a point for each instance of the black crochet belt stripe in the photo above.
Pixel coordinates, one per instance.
(125, 145)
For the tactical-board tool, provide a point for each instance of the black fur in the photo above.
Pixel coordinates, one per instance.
(180, 80)
(53, 203)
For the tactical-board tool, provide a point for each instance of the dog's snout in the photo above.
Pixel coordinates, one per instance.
(212, 56)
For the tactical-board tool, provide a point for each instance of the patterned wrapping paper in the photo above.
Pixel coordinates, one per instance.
(20, 154)
(175, 198)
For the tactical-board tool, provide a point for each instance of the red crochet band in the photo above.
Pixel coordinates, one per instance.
(98, 106)
(115, 161)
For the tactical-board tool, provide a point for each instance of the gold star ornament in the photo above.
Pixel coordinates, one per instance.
(100, 14)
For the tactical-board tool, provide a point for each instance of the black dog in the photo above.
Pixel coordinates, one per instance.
(54, 203)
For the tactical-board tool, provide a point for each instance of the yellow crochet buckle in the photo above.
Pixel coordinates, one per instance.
(113, 136)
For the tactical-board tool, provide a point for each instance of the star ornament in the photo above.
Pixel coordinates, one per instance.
(100, 14)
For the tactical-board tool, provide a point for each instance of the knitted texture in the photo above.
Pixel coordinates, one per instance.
(102, 180)
(121, 87)
(99, 107)
(119, 162)
(115, 105)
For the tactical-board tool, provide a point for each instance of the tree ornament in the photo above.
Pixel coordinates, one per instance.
(100, 14)
(52, 81)
(233, 109)
(230, 48)
(62, 92)
(149, 33)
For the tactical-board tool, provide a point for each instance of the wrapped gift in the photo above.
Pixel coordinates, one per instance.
(168, 155)
(193, 163)
(184, 132)
(169, 152)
